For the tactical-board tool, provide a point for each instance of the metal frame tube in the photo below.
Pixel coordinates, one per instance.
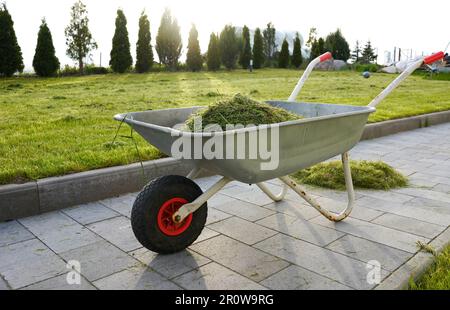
(190, 208)
(329, 215)
(271, 195)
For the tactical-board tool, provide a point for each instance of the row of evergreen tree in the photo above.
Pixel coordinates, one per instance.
(228, 49)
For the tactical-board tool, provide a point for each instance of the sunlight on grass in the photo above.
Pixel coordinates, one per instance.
(55, 126)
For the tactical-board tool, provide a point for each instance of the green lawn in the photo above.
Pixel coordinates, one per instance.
(437, 277)
(57, 126)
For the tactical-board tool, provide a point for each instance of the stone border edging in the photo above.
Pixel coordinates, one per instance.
(416, 266)
(22, 200)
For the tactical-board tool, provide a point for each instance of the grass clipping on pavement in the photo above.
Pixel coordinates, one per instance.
(366, 174)
(240, 110)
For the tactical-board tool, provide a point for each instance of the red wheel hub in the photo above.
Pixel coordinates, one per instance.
(165, 218)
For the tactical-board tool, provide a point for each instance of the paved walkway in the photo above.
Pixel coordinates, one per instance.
(250, 242)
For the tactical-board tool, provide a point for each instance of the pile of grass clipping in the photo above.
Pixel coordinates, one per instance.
(240, 110)
(365, 174)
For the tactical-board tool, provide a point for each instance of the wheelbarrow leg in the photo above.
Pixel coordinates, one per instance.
(271, 195)
(330, 215)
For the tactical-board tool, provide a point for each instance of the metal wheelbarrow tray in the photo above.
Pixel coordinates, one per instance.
(170, 213)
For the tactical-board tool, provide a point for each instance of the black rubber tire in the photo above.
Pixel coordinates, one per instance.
(147, 205)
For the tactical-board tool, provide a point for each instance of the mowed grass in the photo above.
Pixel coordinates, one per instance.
(57, 126)
(437, 277)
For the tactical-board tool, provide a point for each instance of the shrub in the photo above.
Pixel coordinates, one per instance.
(366, 67)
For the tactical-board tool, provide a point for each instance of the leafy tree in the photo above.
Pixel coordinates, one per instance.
(246, 52)
(45, 62)
(144, 50)
(283, 60)
(311, 37)
(168, 41)
(229, 48)
(297, 57)
(356, 52)
(337, 45)
(11, 59)
(194, 60)
(270, 41)
(258, 49)
(368, 54)
(317, 48)
(121, 59)
(79, 39)
(213, 54)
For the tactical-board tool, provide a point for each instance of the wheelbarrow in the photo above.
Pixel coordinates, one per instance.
(170, 212)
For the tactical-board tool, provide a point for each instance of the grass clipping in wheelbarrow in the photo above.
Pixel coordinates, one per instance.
(366, 174)
(240, 110)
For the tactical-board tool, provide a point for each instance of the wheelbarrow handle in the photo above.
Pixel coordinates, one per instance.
(305, 76)
(408, 71)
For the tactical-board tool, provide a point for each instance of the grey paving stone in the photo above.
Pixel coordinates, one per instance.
(242, 209)
(409, 225)
(206, 234)
(332, 205)
(253, 195)
(119, 206)
(431, 178)
(298, 278)
(443, 188)
(424, 210)
(338, 267)
(90, 213)
(425, 194)
(301, 229)
(239, 257)
(60, 283)
(215, 277)
(293, 208)
(388, 236)
(118, 231)
(137, 278)
(59, 232)
(100, 259)
(366, 251)
(386, 196)
(28, 262)
(215, 215)
(242, 230)
(12, 232)
(172, 265)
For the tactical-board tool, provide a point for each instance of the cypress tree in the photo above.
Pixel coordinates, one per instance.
(229, 47)
(213, 54)
(45, 62)
(144, 50)
(246, 53)
(168, 41)
(283, 60)
(120, 54)
(258, 49)
(11, 59)
(337, 45)
(317, 48)
(368, 54)
(194, 60)
(297, 57)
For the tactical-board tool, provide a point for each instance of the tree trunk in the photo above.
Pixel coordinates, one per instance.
(81, 66)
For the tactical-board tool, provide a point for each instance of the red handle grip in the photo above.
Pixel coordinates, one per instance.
(326, 57)
(433, 58)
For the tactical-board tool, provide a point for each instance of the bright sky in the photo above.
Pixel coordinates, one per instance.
(387, 23)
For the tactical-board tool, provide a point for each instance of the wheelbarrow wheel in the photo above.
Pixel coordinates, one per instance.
(151, 217)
